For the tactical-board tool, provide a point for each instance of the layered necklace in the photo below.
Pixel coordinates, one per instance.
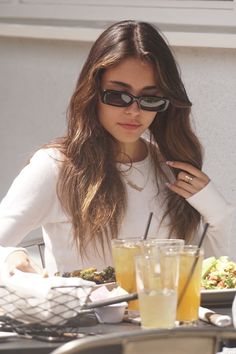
(143, 175)
(134, 185)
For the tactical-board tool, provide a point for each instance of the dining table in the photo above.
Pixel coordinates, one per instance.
(41, 344)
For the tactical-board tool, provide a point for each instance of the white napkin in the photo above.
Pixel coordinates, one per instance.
(228, 351)
(217, 319)
(102, 293)
(31, 298)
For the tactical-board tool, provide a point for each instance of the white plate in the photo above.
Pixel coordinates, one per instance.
(217, 297)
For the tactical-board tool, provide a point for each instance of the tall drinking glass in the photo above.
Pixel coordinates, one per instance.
(189, 288)
(123, 253)
(157, 281)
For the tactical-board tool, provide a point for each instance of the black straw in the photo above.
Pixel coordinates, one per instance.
(148, 225)
(193, 266)
(203, 235)
(111, 301)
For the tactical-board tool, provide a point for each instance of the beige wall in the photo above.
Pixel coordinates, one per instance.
(37, 78)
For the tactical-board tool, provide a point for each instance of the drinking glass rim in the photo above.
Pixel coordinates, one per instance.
(149, 240)
(169, 251)
(123, 241)
(192, 250)
(164, 240)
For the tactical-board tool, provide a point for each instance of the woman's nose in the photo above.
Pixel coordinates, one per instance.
(133, 108)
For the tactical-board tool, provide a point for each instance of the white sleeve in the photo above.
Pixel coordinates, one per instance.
(216, 211)
(29, 201)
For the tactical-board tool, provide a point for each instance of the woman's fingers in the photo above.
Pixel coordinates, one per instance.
(190, 180)
(186, 167)
(20, 260)
(180, 191)
(196, 182)
(29, 267)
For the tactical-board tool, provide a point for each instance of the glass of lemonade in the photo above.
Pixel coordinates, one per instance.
(189, 288)
(157, 281)
(123, 253)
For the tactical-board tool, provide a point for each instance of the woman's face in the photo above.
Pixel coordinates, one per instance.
(127, 124)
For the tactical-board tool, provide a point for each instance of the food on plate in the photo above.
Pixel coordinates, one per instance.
(107, 275)
(218, 273)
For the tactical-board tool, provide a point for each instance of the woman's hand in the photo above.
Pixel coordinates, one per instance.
(22, 261)
(189, 181)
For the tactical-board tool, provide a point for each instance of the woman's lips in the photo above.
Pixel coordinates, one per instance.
(129, 126)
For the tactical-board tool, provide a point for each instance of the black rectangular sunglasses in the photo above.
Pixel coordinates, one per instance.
(124, 99)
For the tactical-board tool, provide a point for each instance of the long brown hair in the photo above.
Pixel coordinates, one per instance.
(90, 187)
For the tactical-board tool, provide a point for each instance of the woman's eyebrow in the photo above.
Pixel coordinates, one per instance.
(125, 85)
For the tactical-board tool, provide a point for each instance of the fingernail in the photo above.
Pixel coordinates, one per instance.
(167, 184)
(171, 163)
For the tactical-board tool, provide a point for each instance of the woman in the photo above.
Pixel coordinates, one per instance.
(129, 150)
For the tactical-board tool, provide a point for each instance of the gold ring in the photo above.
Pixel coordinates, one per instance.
(188, 179)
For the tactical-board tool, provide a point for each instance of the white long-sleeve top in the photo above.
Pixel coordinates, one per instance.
(32, 202)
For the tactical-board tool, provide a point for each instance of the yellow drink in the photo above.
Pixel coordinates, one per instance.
(124, 252)
(187, 310)
(158, 308)
(156, 278)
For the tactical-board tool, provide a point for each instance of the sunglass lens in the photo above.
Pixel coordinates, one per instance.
(153, 104)
(117, 98)
(126, 99)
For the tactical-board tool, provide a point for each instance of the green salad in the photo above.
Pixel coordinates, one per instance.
(218, 273)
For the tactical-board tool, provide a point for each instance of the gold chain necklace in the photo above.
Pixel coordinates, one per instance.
(134, 185)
